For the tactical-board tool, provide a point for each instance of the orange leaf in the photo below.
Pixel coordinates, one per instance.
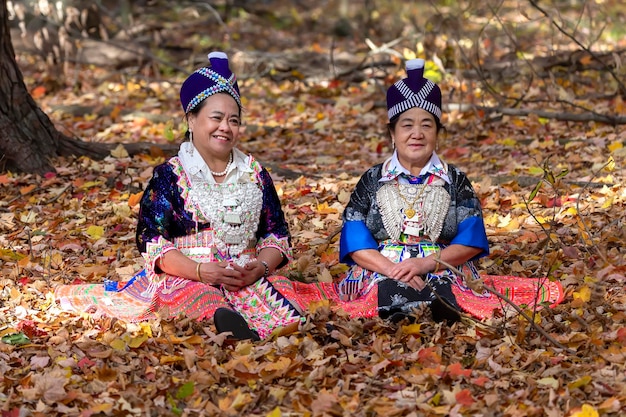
(464, 397)
(134, 199)
(457, 370)
(481, 381)
(26, 190)
(115, 113)
(38, 92)
(428, 355)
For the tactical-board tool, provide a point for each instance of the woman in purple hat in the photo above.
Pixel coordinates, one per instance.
(410, 214)
(210, 228)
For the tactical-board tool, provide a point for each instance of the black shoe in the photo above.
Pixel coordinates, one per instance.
(227, 320)
(396, 318)
(443, 311)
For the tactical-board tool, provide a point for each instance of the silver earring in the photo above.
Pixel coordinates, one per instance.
(190, 150)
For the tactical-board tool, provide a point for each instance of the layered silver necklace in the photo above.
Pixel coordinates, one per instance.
(233, 209)
(412, 209)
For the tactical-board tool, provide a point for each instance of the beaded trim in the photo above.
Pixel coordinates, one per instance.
(432, 207)
(221, 84)
(282, 244)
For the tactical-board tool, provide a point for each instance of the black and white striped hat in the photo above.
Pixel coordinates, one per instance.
(414, 91)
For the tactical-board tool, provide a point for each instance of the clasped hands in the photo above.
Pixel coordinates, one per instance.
(229, 275)
(410, 271)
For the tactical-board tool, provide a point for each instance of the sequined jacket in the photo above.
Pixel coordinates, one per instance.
(163, 217)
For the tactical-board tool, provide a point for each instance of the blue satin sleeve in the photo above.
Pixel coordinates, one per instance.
(471, 232)
(354, 236)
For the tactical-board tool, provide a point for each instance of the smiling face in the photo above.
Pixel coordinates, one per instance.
(415, 137)
(215, 127)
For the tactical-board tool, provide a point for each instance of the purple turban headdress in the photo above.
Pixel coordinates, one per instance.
(414, 91)
(205, 82)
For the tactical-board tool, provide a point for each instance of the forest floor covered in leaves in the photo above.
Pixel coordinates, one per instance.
(317, 137)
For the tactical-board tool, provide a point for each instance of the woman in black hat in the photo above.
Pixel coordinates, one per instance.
(411, 216)
(210, 228)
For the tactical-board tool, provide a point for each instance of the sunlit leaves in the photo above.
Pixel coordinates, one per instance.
(545, 212)
(586, 411)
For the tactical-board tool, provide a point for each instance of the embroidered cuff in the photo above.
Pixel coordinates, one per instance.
(154, 251)
(280, 243)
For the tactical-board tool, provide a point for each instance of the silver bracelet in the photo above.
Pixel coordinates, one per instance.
(267, 269)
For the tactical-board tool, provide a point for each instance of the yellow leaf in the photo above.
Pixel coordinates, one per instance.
(513, 224)
(412, 329)
(584, 294)
(610, 164)
(275, 413)
(118, 344)
(586, 411)
(324, 208)
(580, 382)
(409, 54)
(146, 328)
(135, 342)
(9, 255)
(170, 359)
(508, 142)
(491, 219)
(549, 381)
(95, 232)
(89, 184)
(193, 340)
(615, 146)
(608, 203)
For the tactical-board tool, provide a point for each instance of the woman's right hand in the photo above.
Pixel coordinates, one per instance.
(220, 274)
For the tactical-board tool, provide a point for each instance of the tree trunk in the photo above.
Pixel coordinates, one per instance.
(28, 139)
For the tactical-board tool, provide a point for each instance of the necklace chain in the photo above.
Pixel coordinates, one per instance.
(410, 209)
(221, 174)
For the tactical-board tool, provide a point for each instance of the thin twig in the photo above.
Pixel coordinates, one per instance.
(608, 69)
(582, 220)
(474, 284)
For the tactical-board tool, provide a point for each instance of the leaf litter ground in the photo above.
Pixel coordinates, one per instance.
(78, 226)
